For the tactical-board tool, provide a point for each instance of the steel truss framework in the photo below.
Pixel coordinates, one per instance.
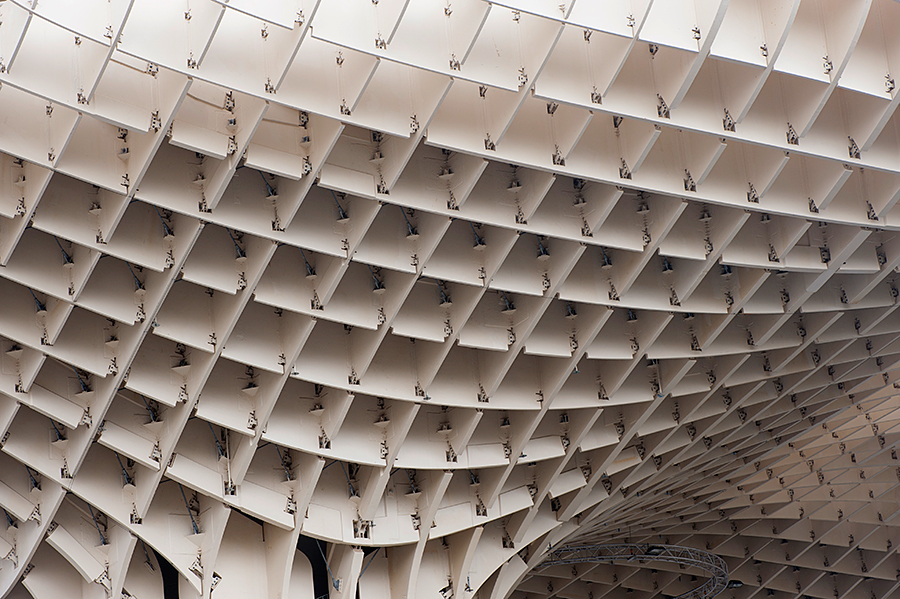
(461, 280)
(713, 566)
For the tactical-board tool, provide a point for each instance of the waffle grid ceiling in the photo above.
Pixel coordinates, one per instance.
(461, 281)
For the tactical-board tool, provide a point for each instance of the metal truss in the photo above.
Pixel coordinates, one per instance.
(712, 564)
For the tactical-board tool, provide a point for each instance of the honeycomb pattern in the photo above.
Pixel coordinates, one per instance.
(390, 298)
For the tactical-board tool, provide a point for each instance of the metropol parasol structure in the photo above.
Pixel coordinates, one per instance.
(449, 299)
